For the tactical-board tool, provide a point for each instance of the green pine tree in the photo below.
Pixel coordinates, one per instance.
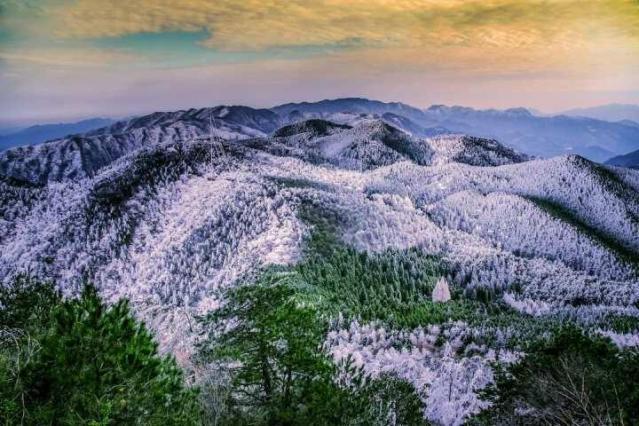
(80, 362)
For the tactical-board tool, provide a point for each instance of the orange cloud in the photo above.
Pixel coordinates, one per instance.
(486, 52)
(510, 33)
(259, 24)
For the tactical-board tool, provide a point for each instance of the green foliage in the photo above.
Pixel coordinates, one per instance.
(287, 182)
(394, 286)
(571, 379)
(274, 345)
(80, 362)
(388, 401)
(270, 339)
(27, 303)
(621, 323)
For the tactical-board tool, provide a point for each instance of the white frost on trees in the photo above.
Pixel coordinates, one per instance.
(622, 340)
(441, 292)
(176, 234)
(446, 377)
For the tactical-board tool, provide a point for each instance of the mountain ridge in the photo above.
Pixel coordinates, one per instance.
(608, 112)
(518, 128)
(627, 160)
(544, 136)
(43, 132)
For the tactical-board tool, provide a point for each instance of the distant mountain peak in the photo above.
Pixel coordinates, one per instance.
(44, 132)
(518, 112)
(348, 105)
(511, 112)
(630, 160)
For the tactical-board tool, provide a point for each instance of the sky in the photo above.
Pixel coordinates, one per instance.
(62, 60)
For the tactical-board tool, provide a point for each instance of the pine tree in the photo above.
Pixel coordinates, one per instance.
(94, 364)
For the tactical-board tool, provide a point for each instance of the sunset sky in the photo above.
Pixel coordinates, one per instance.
(63, 60)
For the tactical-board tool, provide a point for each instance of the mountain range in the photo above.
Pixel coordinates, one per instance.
(541, 136)
(44, 132)
(518, 128)
(171, 209)
(610, 112)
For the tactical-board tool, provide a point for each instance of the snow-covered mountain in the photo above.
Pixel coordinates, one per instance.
(352, 111)
(518, 128)
(543, 136)
(81, 156)
(156, 210)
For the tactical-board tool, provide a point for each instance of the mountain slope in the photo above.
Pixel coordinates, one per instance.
(423, 174)
(473, 151)
(367, 145)
(373, 143)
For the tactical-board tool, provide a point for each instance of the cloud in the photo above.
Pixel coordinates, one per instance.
(510, 34)
(476, 34)
(76, 57)
(143, 53)
(261, 24)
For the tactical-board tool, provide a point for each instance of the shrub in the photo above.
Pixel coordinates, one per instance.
(572, 379)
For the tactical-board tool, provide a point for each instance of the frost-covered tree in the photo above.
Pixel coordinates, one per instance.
(441, 292)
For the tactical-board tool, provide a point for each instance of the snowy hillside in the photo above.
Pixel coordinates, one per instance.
(151, 210)
(83, 155)
(368, 144)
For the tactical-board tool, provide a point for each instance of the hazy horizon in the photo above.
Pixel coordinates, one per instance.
(64, 60)
(115, 116)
